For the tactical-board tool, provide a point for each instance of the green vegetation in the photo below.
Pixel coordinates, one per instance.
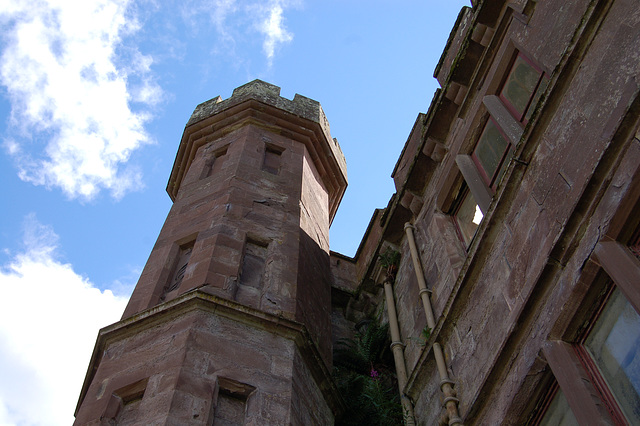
(425, 334)
(390, 259)
(363, 371)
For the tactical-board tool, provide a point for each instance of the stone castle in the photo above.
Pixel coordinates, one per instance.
(506, 265)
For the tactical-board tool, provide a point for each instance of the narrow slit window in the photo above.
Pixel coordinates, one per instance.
(215, 163)
(231, 405)
(181, 267)
(272, 159)
(253, 263)
(230, 410)
(124, 404)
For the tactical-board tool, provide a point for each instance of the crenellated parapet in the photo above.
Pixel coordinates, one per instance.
(259, 103)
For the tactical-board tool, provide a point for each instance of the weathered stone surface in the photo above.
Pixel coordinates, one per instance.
(253, 200)
(530, 274)
(259, 177)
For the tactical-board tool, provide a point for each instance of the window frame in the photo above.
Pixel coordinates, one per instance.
(521, 117)
(591, 367)
(547, 401)
(493, 181)
(463, 193)
(498, 111)
(573, 366)
(503, 115)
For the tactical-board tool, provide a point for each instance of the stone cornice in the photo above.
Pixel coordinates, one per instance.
(204, 300)
(259, 103)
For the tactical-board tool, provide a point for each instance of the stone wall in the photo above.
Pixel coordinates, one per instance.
(529, 275)
(190, 354)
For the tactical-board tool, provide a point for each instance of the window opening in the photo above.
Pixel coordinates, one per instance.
(614, 346)
(231, 405)
(129, 410)
(216, 161)
(492, 154)
(610, 353)
(253, 263)
(230, 410)
(467, 216)
(523, 88)
(272, 158)
(558, 412)
(124, 404)
(181, 266)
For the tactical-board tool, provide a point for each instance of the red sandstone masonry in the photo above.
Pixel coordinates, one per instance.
(530, 270)
(287, 212)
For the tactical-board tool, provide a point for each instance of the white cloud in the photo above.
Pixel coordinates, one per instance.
(73, 85)
(218, 12)
(272, 26)
(235, 20)
(49, 320)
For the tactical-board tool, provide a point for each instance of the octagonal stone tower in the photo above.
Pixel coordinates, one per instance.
(230, 320)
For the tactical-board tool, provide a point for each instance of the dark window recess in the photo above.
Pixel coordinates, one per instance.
(253, 262)
(272, 158)
(215, 163)
(181, 267)
(230, 410)
(123, 406)
(231, 406)
(523, 87)
(128, 414)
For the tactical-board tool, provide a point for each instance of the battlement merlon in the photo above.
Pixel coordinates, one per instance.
(217, 117)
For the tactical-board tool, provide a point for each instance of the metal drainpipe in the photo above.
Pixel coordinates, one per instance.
(398, 351)
(446, 385)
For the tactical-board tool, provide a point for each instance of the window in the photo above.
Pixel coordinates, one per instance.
(272, 156)
(253, 263)
(610, 352)
(231, 405)
(558, 412)
(181, 267)
(124, 404)
(523, 87)
(492, 154)
(467, 216)
(634, 244)
(505, 116)
(600, 373)
(214, 164)
(230, 410)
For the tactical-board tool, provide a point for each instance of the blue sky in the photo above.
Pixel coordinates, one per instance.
(94, 96)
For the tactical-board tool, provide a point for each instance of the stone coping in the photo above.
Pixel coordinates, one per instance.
(259, 103)
(204, 299)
